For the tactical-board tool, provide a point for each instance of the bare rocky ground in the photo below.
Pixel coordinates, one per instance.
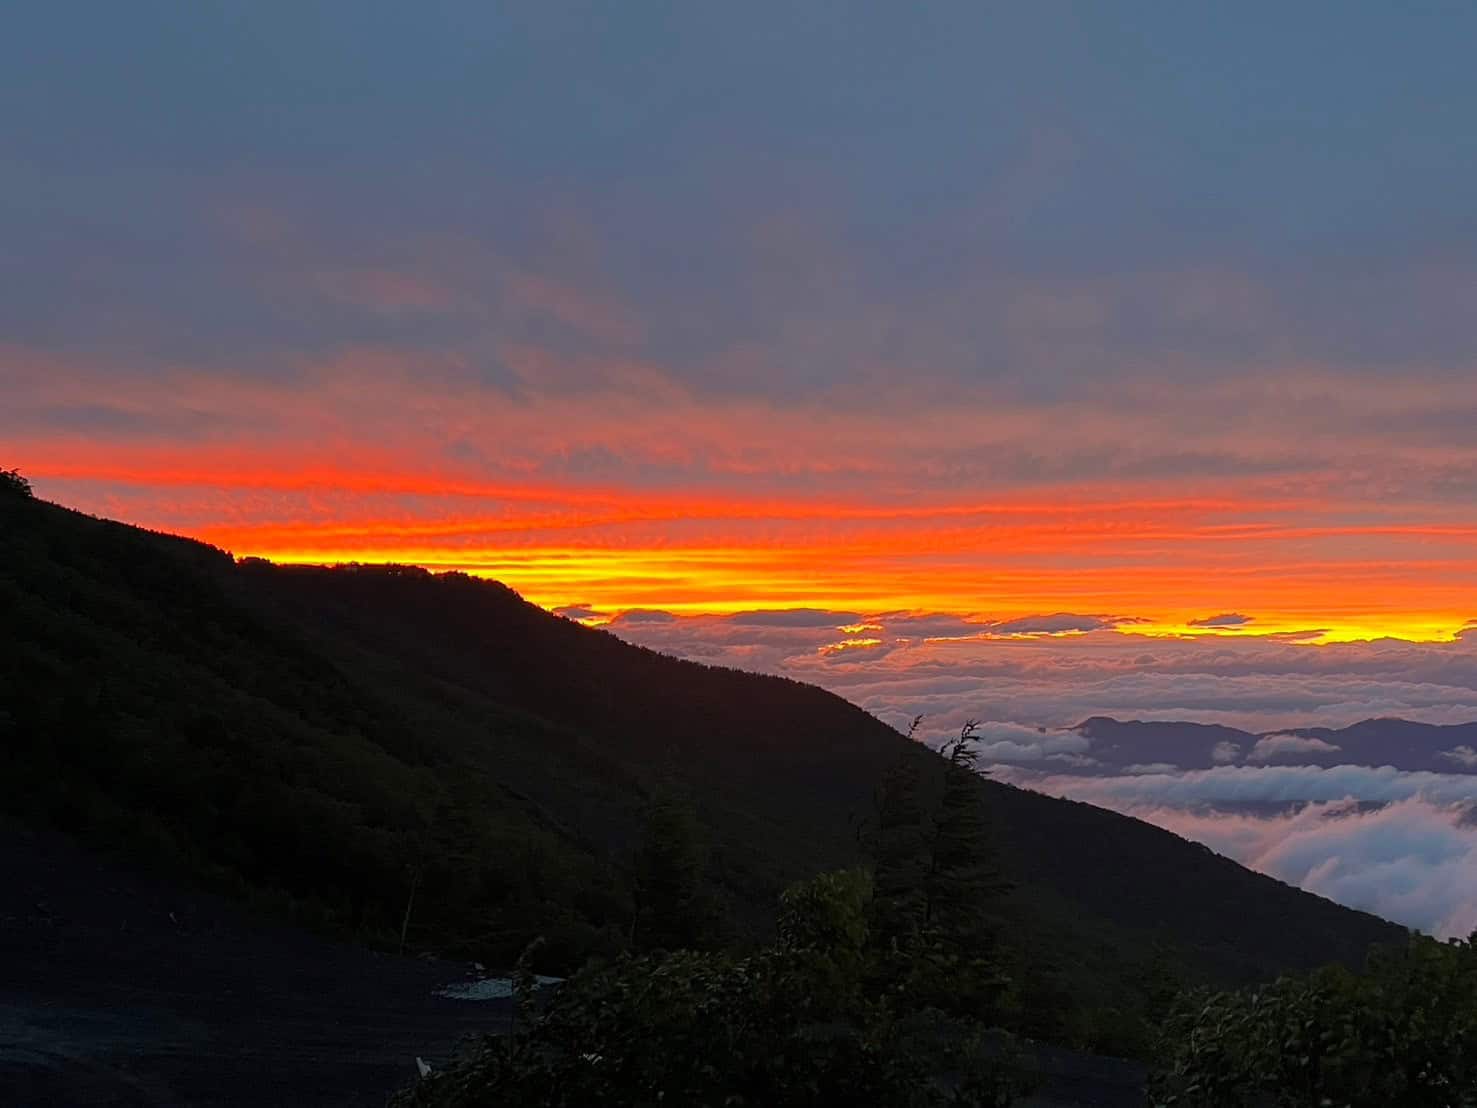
(119, 990)
(1072, 1080)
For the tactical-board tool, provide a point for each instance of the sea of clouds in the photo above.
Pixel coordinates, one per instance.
(1412, 859)
(1388, 838)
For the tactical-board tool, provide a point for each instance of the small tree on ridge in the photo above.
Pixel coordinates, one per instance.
(12, 482)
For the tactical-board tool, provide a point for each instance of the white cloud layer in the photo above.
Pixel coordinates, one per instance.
(1288, 748)
(1398, 844)
(1225, 751)
(1413, 861)
(1016, 743)
(1246, 785)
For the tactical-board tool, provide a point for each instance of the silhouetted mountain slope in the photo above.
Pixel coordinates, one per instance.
(1403, 743)
(326, 741)
(1116, 743)
(1441, 748)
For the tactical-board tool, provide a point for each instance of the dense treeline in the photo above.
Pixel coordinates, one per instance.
(886, 985)
(1403, 1032)
(889, 985)
(805, 1021)
(429, 761)
(827, 1016)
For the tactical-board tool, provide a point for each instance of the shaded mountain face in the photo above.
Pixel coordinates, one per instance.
(1113, 746)
(321, 742)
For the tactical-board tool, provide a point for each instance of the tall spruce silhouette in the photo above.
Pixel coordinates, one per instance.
(897, 844)
(964, 879)
(672, 911)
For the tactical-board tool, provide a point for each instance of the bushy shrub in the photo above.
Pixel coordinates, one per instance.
(828, 913)
(696, 1028)
(1402, 1033)
(791, 1024)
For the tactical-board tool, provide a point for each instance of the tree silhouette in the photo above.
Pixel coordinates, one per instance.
(896, 844)
(964, 876)
(957, 963)
(672, 911)
(11, 481)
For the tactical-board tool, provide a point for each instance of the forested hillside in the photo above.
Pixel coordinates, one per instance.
(371, 749)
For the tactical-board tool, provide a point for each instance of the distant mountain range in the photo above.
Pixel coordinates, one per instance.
(1117, 746)
(335, 746)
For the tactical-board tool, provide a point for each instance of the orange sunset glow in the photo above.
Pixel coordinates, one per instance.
(758, 507)
(1143, 554)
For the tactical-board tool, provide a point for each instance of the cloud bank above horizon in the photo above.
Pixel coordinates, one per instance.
(1055, 670)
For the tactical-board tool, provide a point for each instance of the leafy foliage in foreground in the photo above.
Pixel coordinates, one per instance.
(794, 1024)
(1404, 1032)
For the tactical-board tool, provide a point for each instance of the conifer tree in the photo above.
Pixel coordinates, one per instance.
(897, 846)
(672, 911)
(964, 878)
(958, 966)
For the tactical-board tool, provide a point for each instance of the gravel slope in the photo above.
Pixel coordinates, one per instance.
(119, 990)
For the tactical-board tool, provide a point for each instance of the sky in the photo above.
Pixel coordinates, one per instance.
(1025, 361)
(1153, 311)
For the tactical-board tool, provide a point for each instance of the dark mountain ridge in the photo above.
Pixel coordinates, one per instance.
(366, 749)
(1404, 744)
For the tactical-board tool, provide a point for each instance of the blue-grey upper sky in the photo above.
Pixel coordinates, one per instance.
(875, 169)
